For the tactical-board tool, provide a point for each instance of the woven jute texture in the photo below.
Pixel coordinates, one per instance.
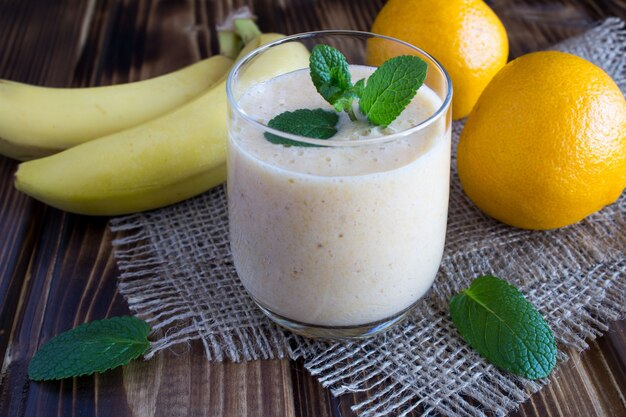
(177, 273)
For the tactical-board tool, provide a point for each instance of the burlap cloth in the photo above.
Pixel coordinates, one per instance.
(177, 273)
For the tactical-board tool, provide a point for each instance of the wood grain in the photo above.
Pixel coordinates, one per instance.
(217, 389)
(57, 269)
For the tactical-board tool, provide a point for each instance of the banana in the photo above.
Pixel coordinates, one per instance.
(39, 121)
(160, 162)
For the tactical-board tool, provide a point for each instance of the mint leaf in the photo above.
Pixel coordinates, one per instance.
(358, 87)
(506, 329)
(317, 124)
(391, 87)
(91, 347)
(329, 73)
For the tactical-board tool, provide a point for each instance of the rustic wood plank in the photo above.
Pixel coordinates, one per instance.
(18, 237)
(165, 387)
(78, 286)
(40, 40)
(57, 270)
(310, 399)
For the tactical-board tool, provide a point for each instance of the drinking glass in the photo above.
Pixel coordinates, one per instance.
(336, 238)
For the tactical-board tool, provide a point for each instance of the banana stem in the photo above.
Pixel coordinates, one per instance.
(246, 29)
(230, 44)
(237, 29)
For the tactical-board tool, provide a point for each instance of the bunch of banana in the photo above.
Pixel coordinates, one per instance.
(39, 121)
(160, 162)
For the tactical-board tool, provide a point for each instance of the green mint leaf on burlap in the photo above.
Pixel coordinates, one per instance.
(391, 87)
(505, 328)
(91, 347)
(316, 124)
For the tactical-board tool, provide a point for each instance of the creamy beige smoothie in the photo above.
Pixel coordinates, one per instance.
(338, 235)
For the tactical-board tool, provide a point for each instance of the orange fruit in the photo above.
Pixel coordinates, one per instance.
(465, 36)
(545, 145)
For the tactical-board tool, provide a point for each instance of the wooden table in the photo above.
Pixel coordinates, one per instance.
(57, 271)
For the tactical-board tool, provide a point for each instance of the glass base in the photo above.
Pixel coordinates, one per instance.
(360, 331)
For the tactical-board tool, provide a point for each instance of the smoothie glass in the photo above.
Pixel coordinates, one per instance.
(336, 238)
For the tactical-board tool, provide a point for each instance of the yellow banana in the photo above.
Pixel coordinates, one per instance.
(163, 161)
(39, 121)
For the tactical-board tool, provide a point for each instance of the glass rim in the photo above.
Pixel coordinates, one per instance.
(446, 102)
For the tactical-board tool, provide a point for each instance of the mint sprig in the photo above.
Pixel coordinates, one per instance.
(317, 124)
(91, 347)
(505, 328)
(382, 97)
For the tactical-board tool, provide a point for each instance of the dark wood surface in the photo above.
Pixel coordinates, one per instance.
(57, 270)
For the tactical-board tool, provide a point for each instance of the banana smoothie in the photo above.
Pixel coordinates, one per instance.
(340, 235)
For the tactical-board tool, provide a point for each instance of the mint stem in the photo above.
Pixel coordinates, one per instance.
(350, 112)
